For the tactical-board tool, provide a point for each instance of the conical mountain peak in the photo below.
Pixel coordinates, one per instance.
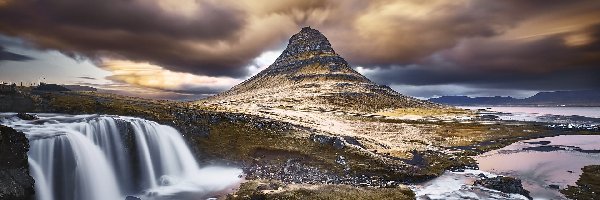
(309, 73)
(308, 40)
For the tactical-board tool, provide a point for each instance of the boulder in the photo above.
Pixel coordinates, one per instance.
(25, 116)
(504, 184)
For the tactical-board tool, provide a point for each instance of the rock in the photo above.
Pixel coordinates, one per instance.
(25, 116)
(504, 184)
(15, 181)
(336, 142)
(132, 198)
(341, 160)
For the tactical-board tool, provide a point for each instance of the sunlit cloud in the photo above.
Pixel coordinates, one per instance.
(153, 76)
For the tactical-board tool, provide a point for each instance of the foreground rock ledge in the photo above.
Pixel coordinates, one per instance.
(15, 181)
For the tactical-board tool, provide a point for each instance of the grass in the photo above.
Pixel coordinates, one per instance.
(250, 190)
(424, 112)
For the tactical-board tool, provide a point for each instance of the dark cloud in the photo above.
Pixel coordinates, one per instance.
(585, 78)
(483, 43)
(10, 56)
(134, 29)
(87, 78)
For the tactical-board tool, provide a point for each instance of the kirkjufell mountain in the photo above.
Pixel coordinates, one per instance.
(309, 73)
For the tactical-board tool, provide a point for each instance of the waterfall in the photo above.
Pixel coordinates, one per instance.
(96, 157)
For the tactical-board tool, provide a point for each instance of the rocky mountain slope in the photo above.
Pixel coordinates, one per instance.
(310, 74)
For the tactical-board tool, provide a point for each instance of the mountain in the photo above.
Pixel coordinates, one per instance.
(465, 100)
(310, 74)
(567, 98)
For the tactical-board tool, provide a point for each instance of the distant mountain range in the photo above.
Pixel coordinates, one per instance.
(557, 98)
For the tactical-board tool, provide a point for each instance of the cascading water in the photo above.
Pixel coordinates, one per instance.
(97, 157)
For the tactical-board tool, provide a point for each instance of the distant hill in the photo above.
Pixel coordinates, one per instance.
(310, 74)
(50, 87)
(557, 98)
(80, 88)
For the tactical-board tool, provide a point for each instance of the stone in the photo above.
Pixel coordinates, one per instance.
(132, 198)
(15, 181)
(504, 184)
(25, 116)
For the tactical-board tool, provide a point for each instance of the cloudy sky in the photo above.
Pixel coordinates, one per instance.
(193, 48)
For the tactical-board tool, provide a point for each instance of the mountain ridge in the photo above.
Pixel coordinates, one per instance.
(555, 98)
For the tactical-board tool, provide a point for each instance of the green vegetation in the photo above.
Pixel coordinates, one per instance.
(588, 185)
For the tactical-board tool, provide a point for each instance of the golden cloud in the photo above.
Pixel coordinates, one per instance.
(153, 76)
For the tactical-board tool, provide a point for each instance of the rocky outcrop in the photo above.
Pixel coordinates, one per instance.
(25, 116)
(504, 184)
(309, 73)
(15, 181)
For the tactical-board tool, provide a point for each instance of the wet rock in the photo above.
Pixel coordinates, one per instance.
(25, 116)
(15, 181)
(336, 142)
(132, 198)
(504, 184)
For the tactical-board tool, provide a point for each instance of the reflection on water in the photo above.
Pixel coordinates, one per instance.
(542, 162)
(593, 112)
(539, 163)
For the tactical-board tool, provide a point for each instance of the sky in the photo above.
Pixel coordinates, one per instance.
(187, 49)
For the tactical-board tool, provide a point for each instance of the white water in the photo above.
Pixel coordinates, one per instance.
(458, 186)
(91, 157)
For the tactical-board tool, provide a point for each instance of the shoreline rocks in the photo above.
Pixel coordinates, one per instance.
(15, 181)
(504, 184)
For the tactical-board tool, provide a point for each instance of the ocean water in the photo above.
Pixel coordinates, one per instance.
(593, 112)
(539, 163)
(544, 161)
